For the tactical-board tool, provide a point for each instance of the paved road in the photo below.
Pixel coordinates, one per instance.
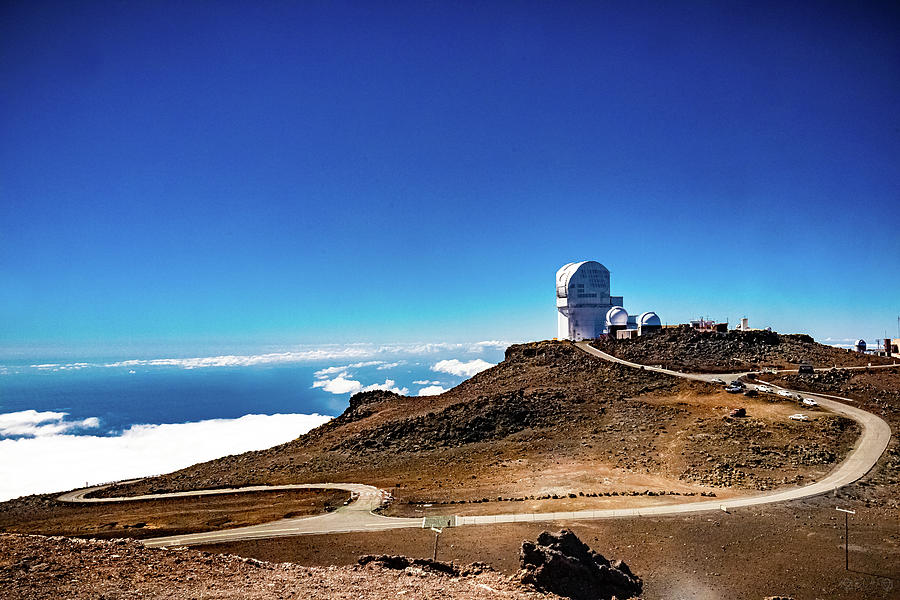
(868, 449)
(358, 515)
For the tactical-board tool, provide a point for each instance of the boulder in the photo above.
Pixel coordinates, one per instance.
(564, 565)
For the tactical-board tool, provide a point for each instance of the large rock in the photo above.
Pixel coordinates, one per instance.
(564, 565)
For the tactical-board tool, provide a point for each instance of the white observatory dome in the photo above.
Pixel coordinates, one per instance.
(649, 319)
(617, 317)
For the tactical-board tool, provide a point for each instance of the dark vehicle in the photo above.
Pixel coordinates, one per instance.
(733, 389)
(751, 393)
(806, 369)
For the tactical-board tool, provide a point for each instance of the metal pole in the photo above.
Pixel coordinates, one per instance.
(846, 541)
(436, 536)
(847, 514)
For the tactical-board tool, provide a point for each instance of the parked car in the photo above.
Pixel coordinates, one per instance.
(718, 380)
(798, 417)
(738, 383)
(785, 394)
(806, 369)
(751, 393)
(733, 389)
(764, 389)
(809, 402)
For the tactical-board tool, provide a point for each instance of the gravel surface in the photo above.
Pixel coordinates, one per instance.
(36, 567)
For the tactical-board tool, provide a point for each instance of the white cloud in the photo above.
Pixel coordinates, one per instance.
(393, 365)
(425, 382)
(338, 385)
(389, 385)
(51, 463)
(431, 390)
(323, 373)
(461, 369)
(378, 364)
(342, 385)
(306, 354)
(33, 423)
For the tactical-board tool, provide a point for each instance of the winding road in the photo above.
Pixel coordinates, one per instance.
(357, 515)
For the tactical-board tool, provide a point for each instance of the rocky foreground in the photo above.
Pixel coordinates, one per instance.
(36, 567)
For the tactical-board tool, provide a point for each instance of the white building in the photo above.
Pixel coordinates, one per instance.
(585, 309)
(582, 300)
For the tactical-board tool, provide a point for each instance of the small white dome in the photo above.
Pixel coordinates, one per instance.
(649, 319)
(617, 316)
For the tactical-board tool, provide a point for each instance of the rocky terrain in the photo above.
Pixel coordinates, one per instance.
(38, 568)
(685, 349)
(563, 564)
(878, 391)
(549, 420)
(550, 428)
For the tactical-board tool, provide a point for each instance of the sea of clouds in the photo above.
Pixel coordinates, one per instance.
(47, 451)
(50, 457)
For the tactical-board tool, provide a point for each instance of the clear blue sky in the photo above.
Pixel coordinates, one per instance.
(287, 172)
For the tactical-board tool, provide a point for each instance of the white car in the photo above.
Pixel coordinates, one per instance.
(798, 417)
(764, 389)
(809, 402)
(785, 393)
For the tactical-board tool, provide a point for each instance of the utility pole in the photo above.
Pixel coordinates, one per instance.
(847, 514)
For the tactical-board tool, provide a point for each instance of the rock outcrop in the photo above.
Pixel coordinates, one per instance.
(564, 565)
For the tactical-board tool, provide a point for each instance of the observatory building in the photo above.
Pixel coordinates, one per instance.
(586, 310)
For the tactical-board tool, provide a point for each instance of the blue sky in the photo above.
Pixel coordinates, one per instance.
(278, 173)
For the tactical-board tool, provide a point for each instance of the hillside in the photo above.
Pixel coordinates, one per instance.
(548, 421)
(685, 349)
(877, 391)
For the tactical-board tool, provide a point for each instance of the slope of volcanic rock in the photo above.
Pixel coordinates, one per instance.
(549, 421)
(543, 390)
(685, 349)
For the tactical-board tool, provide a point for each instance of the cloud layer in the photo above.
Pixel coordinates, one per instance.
(309, 354)
(461, 369)
(54, 462)
(31, 423)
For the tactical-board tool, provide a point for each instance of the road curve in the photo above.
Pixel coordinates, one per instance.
(358, 515)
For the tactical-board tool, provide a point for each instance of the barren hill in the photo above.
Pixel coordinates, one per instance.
(685, 349)
(549, 421)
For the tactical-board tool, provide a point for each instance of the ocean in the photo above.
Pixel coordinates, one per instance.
(66, 423)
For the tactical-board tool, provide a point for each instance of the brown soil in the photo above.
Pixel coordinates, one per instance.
(154, 518)
(39, 568)
(793, 549)
(548, 420)
(685, 349)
